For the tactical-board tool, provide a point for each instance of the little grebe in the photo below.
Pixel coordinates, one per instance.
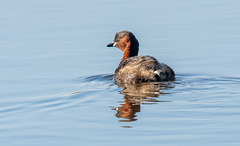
(137, 69)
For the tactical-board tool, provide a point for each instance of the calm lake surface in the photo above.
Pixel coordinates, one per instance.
(56, 73)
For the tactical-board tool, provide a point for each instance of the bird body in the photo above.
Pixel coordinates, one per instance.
(137, 69)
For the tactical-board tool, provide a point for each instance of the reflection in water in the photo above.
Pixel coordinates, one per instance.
(135, 95)
(128, 109)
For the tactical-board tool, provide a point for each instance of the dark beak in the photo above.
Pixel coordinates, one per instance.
(110, 44)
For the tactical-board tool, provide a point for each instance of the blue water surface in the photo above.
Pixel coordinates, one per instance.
(56, 73)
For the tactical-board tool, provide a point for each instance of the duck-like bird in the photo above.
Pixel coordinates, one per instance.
(137, 69)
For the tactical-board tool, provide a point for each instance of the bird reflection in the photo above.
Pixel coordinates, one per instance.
(135, 95)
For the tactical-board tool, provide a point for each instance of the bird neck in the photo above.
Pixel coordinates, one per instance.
(130, 49)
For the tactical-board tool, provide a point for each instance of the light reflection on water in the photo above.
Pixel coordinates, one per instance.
(56, 79)
(196, 102)
(135, 95)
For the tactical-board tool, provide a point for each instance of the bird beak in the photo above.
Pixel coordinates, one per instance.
(110, 44)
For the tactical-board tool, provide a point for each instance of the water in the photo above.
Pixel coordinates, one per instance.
(56, 77)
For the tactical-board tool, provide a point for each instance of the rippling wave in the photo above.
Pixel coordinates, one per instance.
(82, 90)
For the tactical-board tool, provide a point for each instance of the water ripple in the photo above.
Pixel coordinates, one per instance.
(85, 90)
